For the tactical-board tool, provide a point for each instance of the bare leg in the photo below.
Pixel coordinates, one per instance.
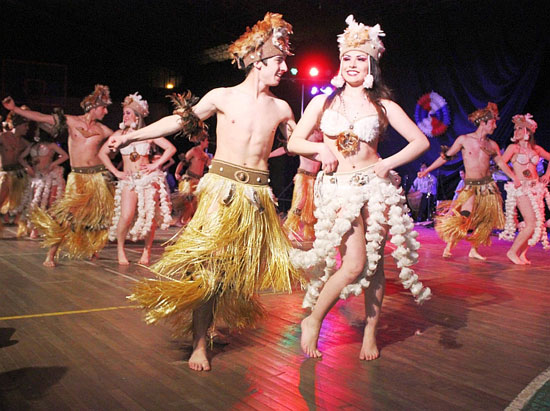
(447, 251)
(520, 244)
(202, 319)
(128, 203)
(373, 306)
(146, 255)
(353, 261)
(50, 257)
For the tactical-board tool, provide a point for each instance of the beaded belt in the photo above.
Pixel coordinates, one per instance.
(478, 181)
(11, 167)
(192, 175)
(307, 173)
(238, 173)
(89, 170)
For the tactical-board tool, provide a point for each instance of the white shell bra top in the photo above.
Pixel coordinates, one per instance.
(142, 148)
(524, 159)
(39, 150)
(334, 123)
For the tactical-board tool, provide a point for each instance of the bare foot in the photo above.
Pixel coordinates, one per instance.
(474, 254)
(369, 350)
(122, 259)
(199, 360)
(48, 263)
(447, 251)
(310, 336)
(145, 258)
(514, 258)
(523, 258)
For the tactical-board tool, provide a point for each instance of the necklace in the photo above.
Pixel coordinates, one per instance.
(347, 141)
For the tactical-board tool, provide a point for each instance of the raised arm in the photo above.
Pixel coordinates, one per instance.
(444, 157)
(9, 104)
(418, 143)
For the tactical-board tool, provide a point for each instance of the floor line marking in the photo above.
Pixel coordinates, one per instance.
(91, 310)
(525, 395)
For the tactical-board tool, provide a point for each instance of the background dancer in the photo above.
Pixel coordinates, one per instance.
(78, 224)
(196, 159)
(301, 218)
(234, 244)
(13, 179)
(357, 200)
(141, 186)
(478, 208)
(47, 183)
(530, 195)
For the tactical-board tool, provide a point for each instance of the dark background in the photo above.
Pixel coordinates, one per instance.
(470, 52)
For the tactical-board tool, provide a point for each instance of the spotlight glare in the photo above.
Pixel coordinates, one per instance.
(293, 71)
(169, 85)
(327, 90)
(314, 72)
(314, 90)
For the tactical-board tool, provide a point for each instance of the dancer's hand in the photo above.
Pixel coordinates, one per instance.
(545, 178)
(422, 174)
(121, 175)
(30, 171)
(8, 103)
(115, 142)
(328, 159)
(382, 169)
(149, 168)
(517, 182)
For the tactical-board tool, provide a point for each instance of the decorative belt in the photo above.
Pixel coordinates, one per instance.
(307, 173)
(238, 173)
(478, 181)
(11, 167)
(192, 175)
(89, 170)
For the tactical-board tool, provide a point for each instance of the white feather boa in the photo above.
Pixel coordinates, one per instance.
(537, 193)
(145, 186)
(339, 199)
(38, 191)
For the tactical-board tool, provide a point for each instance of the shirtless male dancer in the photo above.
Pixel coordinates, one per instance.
(234, 245)
(478, 208)
(78, 223)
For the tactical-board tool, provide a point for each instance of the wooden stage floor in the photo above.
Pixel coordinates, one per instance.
(70, 340)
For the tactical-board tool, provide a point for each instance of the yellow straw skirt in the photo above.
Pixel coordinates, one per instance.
(232, 248)
(17, 182)
(485, 217)
(79, 222)
(301, 219)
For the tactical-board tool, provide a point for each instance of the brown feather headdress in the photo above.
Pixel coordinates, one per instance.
(484, 114)
(267, 38)
(100, 97)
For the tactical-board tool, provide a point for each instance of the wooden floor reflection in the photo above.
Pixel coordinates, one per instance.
(481, 339)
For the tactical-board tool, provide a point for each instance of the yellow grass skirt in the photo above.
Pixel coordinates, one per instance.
(301, 219)
(79, 222)
(17, 182)
(486, 215)
(232, 248)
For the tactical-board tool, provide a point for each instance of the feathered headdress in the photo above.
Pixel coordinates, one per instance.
(267, 38)
(484, 114)
(100, 97)
(136, 103)
(357, 36)
(363, 38)
(525, 120)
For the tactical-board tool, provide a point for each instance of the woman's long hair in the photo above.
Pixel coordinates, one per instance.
(375, 94)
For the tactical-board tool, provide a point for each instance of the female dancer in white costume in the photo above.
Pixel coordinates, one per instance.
(141, 185)
(529, 197)
(47, 183)
(357, 199)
